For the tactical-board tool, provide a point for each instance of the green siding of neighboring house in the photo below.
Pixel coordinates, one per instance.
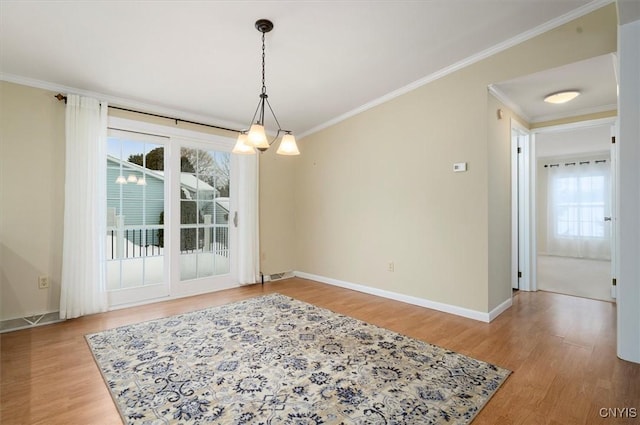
(126, 200)
(135, 211)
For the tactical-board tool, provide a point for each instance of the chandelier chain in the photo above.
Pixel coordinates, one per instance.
(255, 138)
(264, 87)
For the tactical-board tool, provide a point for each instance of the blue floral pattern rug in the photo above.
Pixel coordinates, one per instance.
(277, 360)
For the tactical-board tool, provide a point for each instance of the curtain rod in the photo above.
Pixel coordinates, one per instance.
(62, 97)
(597, 161)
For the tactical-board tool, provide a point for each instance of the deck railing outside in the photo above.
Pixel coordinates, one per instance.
(135, 242)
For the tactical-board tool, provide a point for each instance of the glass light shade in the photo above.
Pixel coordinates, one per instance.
(288, 146)
(257, 137)
(562, 97)
(121, 180)
(142, 181)
(132, 178)
(242, 146)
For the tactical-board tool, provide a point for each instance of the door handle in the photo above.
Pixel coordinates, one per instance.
(235, 219)
(607, 219)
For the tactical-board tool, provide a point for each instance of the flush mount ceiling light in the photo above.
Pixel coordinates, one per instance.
(256, 137)
(562, 96)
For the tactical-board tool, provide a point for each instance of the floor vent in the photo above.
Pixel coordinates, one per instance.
(29, 322)
(277, 276)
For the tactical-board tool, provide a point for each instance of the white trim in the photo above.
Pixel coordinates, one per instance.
(170, 297)
(574, 125)
(520, 38)
(522, 226)
(142, 106)
(577, 113)
(120, 101)
(614, 197)
(504, 306)
(502, 97)
(628, 249)
(515, 209)
(409, 299)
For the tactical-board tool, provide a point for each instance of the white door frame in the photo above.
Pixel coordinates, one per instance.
(531, 198)
(178, 137)
(614, 208)
(521, 266)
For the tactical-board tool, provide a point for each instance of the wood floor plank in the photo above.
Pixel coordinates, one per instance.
(560, 348)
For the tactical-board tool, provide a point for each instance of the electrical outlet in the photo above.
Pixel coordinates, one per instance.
(43, 282)
(390, 266)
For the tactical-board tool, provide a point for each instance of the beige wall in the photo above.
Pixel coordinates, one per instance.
(31, 203)
(499, 164)
(32, 199)
(379, 186)
(370, 190)
(277, 225)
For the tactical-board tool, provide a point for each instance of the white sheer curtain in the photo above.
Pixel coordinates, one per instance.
(248, 263)
(83, 259)
(578, 200)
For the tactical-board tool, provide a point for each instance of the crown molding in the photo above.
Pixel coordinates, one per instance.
(576, 113)
(118, 101)
(502, 97)
(527, 35)
(147, 107)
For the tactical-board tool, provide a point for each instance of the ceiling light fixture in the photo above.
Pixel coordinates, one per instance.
(562, 96)
(256, 137)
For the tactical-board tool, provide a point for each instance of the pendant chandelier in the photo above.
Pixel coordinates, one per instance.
(256, 137)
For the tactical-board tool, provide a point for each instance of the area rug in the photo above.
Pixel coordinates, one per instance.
(277, 360)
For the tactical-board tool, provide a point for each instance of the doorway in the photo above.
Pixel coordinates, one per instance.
(170, 200)
(573, 210)
(524, 96)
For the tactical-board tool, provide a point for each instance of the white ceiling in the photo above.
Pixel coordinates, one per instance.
(574, 141)
(595, 78)
(201, 59)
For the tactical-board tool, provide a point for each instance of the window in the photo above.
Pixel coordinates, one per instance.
(577, 203)
(580, 203)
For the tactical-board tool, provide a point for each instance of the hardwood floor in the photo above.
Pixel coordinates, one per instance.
(560, 348)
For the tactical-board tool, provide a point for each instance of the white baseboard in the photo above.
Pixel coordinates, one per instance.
(500, 309)
(434, 305)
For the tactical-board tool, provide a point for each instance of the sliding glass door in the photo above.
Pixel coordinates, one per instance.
(169, 213)
(136, 203)
(205, 213)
